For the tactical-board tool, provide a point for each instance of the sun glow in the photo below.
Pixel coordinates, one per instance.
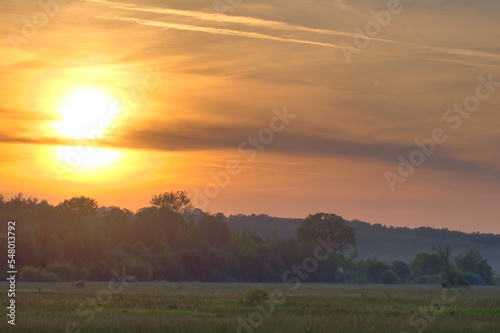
(80, 158)
(86, 114)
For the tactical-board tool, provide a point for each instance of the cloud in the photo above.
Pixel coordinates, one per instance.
(218, 31)
(196, 137)
(276, 25)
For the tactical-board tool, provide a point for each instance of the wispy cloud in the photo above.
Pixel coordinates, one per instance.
(276, 25)
(218, 31)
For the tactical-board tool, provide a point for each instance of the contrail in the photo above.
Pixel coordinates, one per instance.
(230, 32)
(219, 31)
(276, 25)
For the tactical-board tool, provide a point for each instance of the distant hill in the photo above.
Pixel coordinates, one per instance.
(376, 240)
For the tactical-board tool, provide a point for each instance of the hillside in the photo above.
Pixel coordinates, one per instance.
(376, 240)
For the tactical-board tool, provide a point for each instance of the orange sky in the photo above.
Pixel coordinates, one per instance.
(162, 95)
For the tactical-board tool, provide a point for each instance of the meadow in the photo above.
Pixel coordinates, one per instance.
(219, 307)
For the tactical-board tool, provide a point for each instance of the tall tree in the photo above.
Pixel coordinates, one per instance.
(329, 227)
(178, 201)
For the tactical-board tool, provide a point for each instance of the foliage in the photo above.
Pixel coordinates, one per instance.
(80, 284)
(472, 261)
(473, 278)
(427, 279)
(177, 201)
(389, 277)
(79, 206)
(255, 296)
(30, 274)
(401, 269)
(425, 264)
(452, 277)
(375, 271)
(66, 271)
(79, 240)
(51, 277)
(327, 226)
(140, 269)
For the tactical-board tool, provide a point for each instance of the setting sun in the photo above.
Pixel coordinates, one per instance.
(86, 114)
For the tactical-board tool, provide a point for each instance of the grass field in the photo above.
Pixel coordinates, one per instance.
(212, 307)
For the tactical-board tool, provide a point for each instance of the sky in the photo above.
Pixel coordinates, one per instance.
(382, 111)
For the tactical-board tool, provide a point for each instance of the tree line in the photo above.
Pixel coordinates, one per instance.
(171, 240)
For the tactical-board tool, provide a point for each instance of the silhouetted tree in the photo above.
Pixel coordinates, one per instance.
(326, 226)
(472, 261)
(178, 201)
(401, 269)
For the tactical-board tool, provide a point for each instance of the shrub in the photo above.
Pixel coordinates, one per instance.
(141, 270)
(31, 274)
(453, 278)
(255, 296)
(375, 271)
(401, 269)
(361, 281)
(83, 273)
(80, 284)
(64, 270)
(389, 277)
(427, 279)
(473, 278)
(51, 277)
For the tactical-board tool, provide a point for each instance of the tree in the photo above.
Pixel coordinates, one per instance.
(82, 207)
(375, 271)
(140, 269)
(31, 274)
(64, 270)
(389, 277)
(54, 251)
(177, 201)
(401, 269)
(425, 264)
(28, 251)
(212, 231)
(326, 226)
(472, 261)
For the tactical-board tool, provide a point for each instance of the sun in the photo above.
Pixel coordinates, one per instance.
(86, 114)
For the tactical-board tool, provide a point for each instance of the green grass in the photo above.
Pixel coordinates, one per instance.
(211, 307)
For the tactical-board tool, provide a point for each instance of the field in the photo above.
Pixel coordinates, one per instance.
(212, 307)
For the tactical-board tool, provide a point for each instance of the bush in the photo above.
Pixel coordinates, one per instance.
(141, 270)
(453, 278)
(80, 284)
(427, 279)
(64, 270)
(401, 269)
(51, 277)
(361, 281)
(83, 273)
(31, 274)
(473, 278)
(389, 277)
(255, 296)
